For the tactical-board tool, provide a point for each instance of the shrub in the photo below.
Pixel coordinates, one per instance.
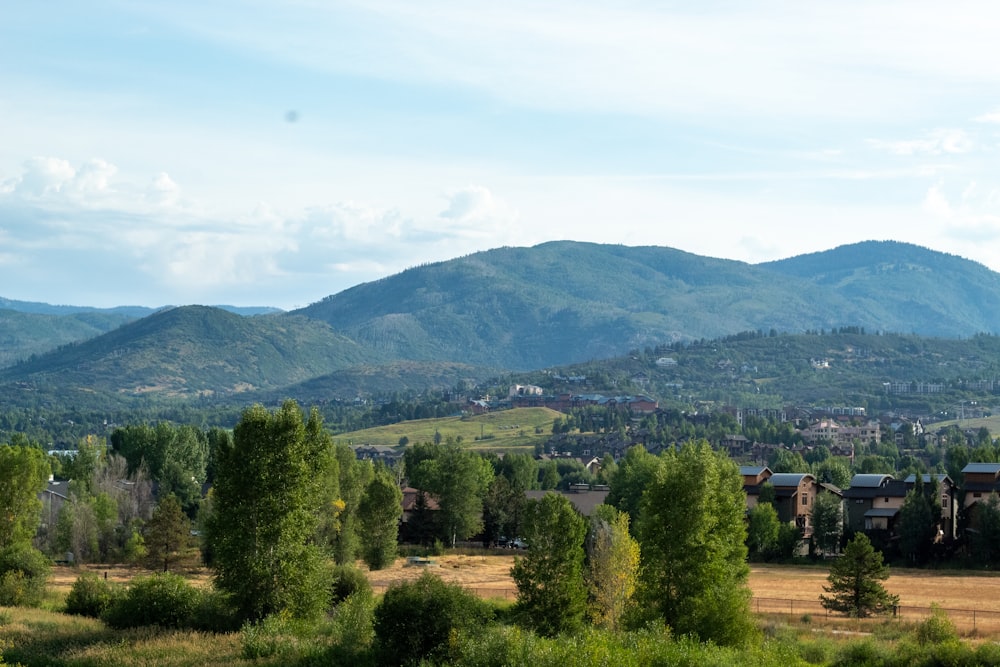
(90, 596)
(214, 612)
(346, 580)
(164, 599)
(23, 572)
(416, 619)
(936, 629)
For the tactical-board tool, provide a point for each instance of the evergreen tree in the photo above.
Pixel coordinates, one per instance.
(379, 513)
(167, 534)
(260, 532)
(855, 581)
(693, 540)
(918, 523)
(551, 594)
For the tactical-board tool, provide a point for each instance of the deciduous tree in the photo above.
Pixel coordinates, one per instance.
(828, 522)
(379, 513)
(693, 540)
(265, 516)
(613, 558)
(551, 593)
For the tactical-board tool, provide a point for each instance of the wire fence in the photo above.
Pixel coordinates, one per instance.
(979, 620)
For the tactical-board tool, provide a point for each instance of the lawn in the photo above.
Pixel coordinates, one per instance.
(518, 429)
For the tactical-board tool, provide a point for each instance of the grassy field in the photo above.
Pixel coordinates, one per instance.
(520, 428)
(46, 637)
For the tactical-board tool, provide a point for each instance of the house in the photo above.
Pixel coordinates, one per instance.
(737, 446)
(981, 480)
(753, 477)
(53, 497)
(949, 504)
(583, 497)
(794, 497)
(873, 502)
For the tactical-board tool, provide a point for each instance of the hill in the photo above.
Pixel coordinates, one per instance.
(194, 351)
(564, 302)
(509, 429)
(517, 309)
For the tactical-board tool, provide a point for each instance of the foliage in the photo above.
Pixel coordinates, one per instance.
(613, 566)
(379, 513)
(551, 593)
(458, 478)
(23, 573)
(90, 595)
(635, 472)
(503, 506)
(264, 516)
(827, 522)
(345, 581)
(937, 628)
(167, 534)
(985, 540)
(855, 581)
(23, 475)
(918, 521)
(763, 527)
(416, 620)
(354, 477)
(164, 599)
(693, 540)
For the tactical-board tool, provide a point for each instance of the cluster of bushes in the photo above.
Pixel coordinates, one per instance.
(23, 573)
(165, 599)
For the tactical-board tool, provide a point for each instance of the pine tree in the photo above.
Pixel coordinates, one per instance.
(167, 533)
(855, 577)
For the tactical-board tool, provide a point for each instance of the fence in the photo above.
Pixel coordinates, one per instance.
(980, 620)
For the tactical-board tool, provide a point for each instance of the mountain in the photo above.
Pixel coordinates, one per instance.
(562, 302)
(23, 334)
(195, 351)
(519, 309)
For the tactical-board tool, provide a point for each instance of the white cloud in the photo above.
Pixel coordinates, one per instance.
(938, 142)
(992, 117)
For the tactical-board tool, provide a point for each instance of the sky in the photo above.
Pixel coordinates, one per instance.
(261, 153)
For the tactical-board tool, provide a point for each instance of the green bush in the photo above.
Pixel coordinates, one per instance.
(90, 596)
(163, 599)
(936, 629)
(23, 573)
(416, 620)
(214, 612)
(346, 580)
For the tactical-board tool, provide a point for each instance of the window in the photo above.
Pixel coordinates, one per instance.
(977, 495)
(944, 502)
(805, 500)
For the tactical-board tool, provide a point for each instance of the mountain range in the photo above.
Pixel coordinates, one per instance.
(511, 309)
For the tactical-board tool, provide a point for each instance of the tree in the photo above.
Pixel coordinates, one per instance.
(458, 478)
(24, 472)
(985, 539)
(635, 471)
(918, 521)
(613, 558)
(693, 540)
(264, 516)
(763, 527)
(502, 508)
(828, 522)
(379, 513)
(855, 577)
(167, 534)
(354, 477)
(551, 593)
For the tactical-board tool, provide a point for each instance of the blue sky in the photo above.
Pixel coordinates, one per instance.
(273, 153)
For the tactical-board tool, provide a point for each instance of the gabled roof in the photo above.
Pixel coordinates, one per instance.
(869, 481)
(752, 470)
(912, 479)
(987, 468)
